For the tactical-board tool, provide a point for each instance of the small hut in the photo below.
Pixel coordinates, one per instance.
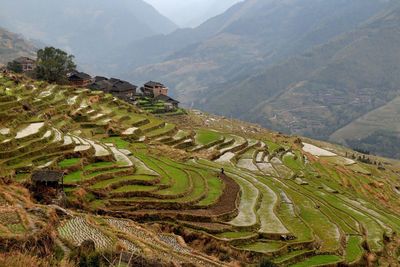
(48, 178)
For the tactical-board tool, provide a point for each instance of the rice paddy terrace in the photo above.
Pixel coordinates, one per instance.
(153, 186)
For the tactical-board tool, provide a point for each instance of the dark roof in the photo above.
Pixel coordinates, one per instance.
(99, 78)
(167, 99)
(79, 76)
(102, 85)
(153, 84)
(25, 60)
(121, 86)
(47, 176)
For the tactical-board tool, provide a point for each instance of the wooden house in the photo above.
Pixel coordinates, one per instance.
(27, 64)
(80, 79)
(118, 88)
(170, 102)
(154, 89)
(122, 89)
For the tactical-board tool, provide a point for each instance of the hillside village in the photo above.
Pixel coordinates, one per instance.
(152, 96)
(90, 172)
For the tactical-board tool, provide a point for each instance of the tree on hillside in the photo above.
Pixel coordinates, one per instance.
(53, 65)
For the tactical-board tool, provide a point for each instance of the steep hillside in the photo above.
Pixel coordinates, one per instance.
(378, 131)
(249, 36)
(88, 29)
(327, 88)
(160, 197)
(13, 46)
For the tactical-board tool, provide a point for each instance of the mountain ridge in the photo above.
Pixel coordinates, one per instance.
(14, 45)
(256, 86)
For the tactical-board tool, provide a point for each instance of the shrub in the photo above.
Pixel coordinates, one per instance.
(266, 263)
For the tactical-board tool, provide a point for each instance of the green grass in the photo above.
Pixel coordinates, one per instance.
(319, 260)
(271, 145)
(215, 188)
(69, 189)
(97, 204)
(22, 177)
(135, 188)
(181, 180)
(354, 252)
(263, 247)
(290, 255)
(204, 137)
(293, 162)
(109, 182)
(168, 127)
(16, 228)
(73, 177)
(78, 176)
(318, 221)
(249, 154)
(66, 163)
(235, 235)
(375, 231)
(97, 165)
(117, 141)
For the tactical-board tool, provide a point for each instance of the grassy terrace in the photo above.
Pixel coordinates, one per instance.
(284, 258)
(79, 176)
(334, 205)
(215, 187)
(135, 188)
(320, 260)
(293, 161)
(320, 224)
(235, 235)
(250, 199)
(169, 127)
(354, 251)
(117, 141)
(66, 163)
(124, 179)
(263, 247)
(197, 193)
(182, 182)
(205, 137)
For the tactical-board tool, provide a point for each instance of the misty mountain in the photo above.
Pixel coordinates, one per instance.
(14, 45)
(88, 29)
(304, 67)
(345, 90)
(249, 36)
(182, 12)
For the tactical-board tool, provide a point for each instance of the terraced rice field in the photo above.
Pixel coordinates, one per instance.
(295, 204)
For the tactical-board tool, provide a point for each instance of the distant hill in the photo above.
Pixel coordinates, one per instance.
(304, 67)
(13, 45)
(328, 88)
(181, 12)
(249, 36)
(90, 30)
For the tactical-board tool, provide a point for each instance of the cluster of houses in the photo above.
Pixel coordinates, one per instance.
(124, 90)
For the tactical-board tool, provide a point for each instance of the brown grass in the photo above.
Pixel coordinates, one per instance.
(17, 259)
